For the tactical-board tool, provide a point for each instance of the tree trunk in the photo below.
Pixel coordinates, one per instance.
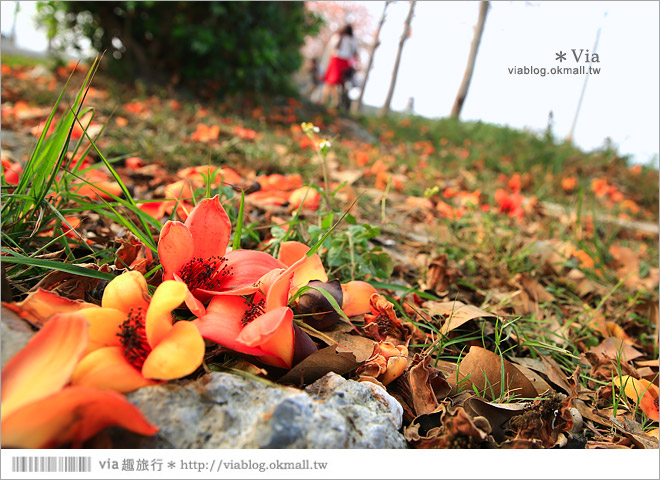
(463, 90)
(404, 37)
(372, 51)
(12, 33)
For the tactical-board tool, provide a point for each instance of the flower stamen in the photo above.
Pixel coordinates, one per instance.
(205, 274)
(133, 338)
(254, 310)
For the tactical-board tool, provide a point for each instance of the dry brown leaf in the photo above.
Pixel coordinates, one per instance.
(549, 368)
(539, 383)
(482, 368)
(530, 294)
(549, 421)
(633, 431)
(582, 285)
(534, 289)
(75, 287)
(614, 348)
(427, 384)
(340, 334)
(330, 359)
(497, 414)
(626, 262)
(647, 363)
(457, 312)
(449, 427)
(439, 275)
(347, 175)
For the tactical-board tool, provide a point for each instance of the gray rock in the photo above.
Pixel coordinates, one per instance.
(221, 410)
(16, 333)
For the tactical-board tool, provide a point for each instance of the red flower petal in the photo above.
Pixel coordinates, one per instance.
(222, 324)
(273, 333)
(210, 228)
(72, 415)
(357, 295)
(46, 363)
(195, 306)
(248, 266)
(41, 305)
(175, 248)
(311, 269)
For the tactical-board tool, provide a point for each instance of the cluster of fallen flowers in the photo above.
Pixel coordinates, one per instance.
(66, 384)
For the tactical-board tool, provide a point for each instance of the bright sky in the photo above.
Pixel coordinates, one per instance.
(621, 102)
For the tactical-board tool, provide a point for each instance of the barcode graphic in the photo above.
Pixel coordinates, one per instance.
(51, 464)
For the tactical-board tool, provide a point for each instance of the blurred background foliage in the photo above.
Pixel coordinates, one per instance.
(221, 46)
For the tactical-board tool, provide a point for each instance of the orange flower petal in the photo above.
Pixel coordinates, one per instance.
(230, 176)
(273, 333)
(128, 290)
(308, 197)
(72, 415)
(42, 304)
(278, 291)
(179, 353)
(311, 269)
(175, 248)
(158, 321)
(104, 324)
(210, 228)
(248, 266)
(46, 363)
(269, 197)
(179, 190)
(157, 209)
(642, 392)
(108, 369)
(222, 323)
(291, 252)
(194, 305)
(356, 297)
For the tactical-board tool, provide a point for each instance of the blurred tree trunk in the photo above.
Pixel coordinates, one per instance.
(404, 37)
(372, 51)
(12, 32)
(463, 90)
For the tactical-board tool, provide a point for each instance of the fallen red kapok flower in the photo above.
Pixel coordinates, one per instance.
(244, 133)
(642, 392)
(382, 323)
(12, 171)
(306, 196)
(386, 364)
(256, 320)
(280, 182)
(195, 253)
(204, 133)
(134, 162)
(509, 203)
(39, 410)
(40, 305)
(133, 342)
(356, 294)
(96, 184)
(568, 184)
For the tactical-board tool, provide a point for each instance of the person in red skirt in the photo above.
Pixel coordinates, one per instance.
(343, 57)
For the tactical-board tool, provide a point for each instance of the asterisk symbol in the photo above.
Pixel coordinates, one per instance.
(171, 464)
(561, 56)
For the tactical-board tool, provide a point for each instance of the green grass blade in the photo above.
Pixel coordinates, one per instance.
(239, 223)
(73, 269)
